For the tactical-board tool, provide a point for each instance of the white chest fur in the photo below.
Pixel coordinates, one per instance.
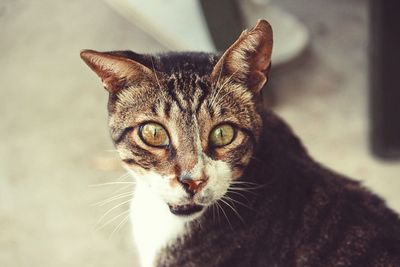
(154, 226)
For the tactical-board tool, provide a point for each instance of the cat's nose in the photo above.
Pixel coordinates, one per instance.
(192, 186)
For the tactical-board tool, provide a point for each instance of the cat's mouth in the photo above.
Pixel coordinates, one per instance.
(185, 210)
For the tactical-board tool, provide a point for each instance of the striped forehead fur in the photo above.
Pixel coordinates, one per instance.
(181, 95)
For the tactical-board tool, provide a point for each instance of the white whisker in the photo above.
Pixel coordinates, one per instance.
(213, 212)
(247, 187)
(124, 177)
(119, 226)
(98, 228)
(222, 209)
(232, 208)
(220, 72)
(111, 199)
(239, 194)
(220, 88)
(218, 215)
(244, 189)
(238, 202)
(110, 210)
(110, 183)
(217, 84)
(222, 97)
(122, 188)
(158, 81)
(244, 183)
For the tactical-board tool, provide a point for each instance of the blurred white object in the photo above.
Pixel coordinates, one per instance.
(177, 24)
(260, 2)
(291, 37)
(180, 25)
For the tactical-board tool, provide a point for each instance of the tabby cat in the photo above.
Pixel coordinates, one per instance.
(220, 181)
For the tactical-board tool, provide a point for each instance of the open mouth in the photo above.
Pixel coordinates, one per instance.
(185, 210)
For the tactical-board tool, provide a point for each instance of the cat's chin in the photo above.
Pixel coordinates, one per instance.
(187, 210)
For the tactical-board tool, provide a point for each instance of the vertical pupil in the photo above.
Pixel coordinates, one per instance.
(154, 131)
(221, 134)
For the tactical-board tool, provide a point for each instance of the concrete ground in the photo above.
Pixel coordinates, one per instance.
(54, 136)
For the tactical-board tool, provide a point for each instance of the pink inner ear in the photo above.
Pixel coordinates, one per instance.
(115, 71)
(256, 81)
(259, 67)
(248, 59)
(262, 60)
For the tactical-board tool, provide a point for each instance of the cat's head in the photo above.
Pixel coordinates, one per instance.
(186, 124)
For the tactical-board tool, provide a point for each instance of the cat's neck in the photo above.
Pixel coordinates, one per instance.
(277, 148)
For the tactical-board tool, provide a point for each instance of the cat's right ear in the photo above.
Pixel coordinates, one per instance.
(116, 72)
(248, 60)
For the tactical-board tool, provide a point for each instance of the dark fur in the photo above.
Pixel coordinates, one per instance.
(304, 215)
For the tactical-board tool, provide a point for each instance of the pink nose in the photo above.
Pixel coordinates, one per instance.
(192, 186)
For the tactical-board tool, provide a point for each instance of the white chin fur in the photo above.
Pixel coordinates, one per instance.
(154, 226)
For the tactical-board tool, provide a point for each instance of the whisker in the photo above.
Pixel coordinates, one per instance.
(213, 212)
(217, 84)
(124, 177)
(238, 202)
(220, 88)
(158, 81)
(248, 187)
(98, 228)
(239, 194)
(223, 96)
(119, 226)
(215, 97)
(110, 183)
(244, 189)
(122, 188)
(220, 72)
(110, 210)
(232, 208)
(111, 199)
(222, 209)
(218, 215)
(244, 183)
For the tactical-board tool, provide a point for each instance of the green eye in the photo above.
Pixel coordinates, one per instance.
(222, 135)
(154, 134)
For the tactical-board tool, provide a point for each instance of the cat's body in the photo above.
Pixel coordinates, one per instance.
(304, 215)
(220, 181)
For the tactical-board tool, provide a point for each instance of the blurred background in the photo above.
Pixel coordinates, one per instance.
(55, 148)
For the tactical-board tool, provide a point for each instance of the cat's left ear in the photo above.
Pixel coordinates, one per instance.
(115, 71)
(248, 60)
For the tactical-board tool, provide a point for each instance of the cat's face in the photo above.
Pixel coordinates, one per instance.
(186, 125)
(169, 137)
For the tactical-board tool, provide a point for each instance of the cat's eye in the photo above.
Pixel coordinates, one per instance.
(153, 134)
(222, 135)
